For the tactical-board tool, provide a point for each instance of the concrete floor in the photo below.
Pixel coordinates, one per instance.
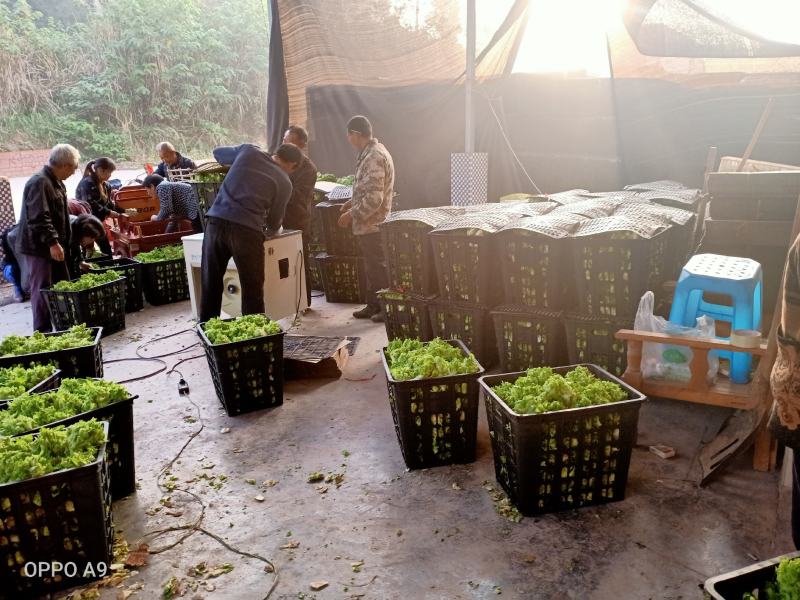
(427, 534)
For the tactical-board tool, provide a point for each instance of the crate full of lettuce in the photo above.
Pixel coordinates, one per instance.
(18, 380)
(774, 579)
(433, 395)
(245, 357)
(164, 276)
(95, 299)
(76, 352)
(55, 507)
(562, 437)
(80, 400)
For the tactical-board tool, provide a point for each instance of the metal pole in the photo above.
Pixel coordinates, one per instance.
(469, 124)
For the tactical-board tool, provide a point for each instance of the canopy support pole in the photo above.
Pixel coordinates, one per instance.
(469, 118)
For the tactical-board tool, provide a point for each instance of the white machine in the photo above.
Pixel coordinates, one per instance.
(284, 276)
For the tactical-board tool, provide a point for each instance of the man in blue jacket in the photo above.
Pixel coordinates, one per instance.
(248, 208)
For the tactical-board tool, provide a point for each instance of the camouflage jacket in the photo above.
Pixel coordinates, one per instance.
(785, 377)
(373, 188)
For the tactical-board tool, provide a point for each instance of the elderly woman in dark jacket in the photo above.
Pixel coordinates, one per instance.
(95, 191)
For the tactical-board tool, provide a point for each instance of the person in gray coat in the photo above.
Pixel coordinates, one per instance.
(44, 230)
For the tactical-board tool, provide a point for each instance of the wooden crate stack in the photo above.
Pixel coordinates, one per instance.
(750, 215)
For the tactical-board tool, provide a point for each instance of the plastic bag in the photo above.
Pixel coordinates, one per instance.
(666, 361)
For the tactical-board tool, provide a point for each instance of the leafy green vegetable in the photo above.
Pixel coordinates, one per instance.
(161, 254)
(75, 396)
(346, 180)
(788, 578)
(541, 390)
(208, 177)
(51, 450)
(87, 281)
(74, 337)
(412, 359)
(241, 328)
(326, 177)
(15, 381)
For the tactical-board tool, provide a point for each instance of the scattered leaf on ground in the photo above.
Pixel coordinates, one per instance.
(138, 557)
(220, 570)
(322, 489)
(335, 478)
(315, 477)
(502, 504)
(317, 586)
(270, 483)
(250, 481)
(356, 566)
(345, 453)
(290, 545)
(172, 589)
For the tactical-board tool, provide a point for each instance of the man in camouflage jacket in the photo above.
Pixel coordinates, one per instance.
(784, 422)
(373, 188)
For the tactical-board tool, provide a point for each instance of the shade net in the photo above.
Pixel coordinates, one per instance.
(654, 119)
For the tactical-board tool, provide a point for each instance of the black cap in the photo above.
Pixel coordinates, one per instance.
(360, 124)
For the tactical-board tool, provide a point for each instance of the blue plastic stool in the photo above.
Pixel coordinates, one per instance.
(738, 278)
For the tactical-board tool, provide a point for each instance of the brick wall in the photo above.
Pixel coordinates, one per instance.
(23, 163)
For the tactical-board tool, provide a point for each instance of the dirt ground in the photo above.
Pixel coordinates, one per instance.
(384, 532)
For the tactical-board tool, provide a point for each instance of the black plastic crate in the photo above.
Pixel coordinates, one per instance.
(536, 269)
(100, 306)
(63, 517)
(528, 338)
(45, 385)
(406, 315)
(120, 449)
(466, 267)
(344, 278)
(206, 194)
(591, 340)
(436, 419)
(472, 324)
(165, 281)
(409, 256)
(84, 361)
(247, 375)
(338, 240)
(734, 585)
(614, 270)
(564, 459)
(132, 271)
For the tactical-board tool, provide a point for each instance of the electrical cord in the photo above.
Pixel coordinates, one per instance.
(188, 529)
(157, 357)
(508, 142)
